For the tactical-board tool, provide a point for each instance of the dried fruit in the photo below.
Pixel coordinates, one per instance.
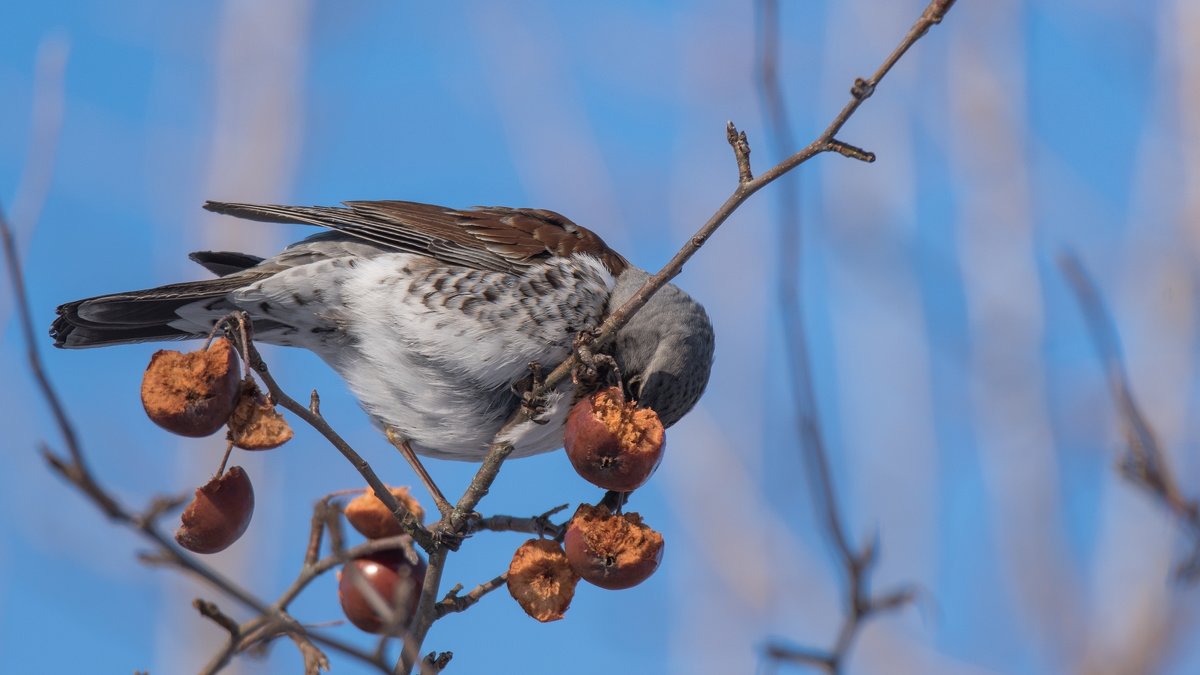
(611, 551)
(219, 513)
(192, 394)
(372, 518)
(255, 424)
(612, 443)
(541, 580)
(395, 575)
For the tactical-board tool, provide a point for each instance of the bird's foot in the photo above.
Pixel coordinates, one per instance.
(533, 405)
(452, 530)
(595, 370)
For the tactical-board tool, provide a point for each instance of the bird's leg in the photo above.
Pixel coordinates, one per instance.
(401, 443)
(533, 406)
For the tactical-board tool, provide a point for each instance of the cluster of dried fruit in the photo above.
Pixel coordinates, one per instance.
(379, 591)
(195, 394)
(610, 442)
(617, 446)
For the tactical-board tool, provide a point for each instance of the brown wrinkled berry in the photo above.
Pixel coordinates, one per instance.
(192, 394)
(219, 513)
(396, 575)
(541, 580)
(255, 424)
(612, 443)
(372, 518)
(611, 551)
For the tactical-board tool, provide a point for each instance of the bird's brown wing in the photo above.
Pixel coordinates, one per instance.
(489, 238)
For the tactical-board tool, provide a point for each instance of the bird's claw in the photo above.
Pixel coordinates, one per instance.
(451, 531)
(533, 406)
(595, 370)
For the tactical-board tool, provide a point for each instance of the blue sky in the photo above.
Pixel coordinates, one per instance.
(966, 414)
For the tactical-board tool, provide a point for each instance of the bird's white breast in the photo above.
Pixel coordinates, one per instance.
(435, 351)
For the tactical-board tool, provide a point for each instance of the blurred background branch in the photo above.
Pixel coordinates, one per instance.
(1143, 463)
(859, 603)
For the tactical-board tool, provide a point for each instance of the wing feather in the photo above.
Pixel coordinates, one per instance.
(487, 238)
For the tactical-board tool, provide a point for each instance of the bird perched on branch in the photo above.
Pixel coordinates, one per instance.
(432, 315)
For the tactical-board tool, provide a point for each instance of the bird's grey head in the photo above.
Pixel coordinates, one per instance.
(665, 352)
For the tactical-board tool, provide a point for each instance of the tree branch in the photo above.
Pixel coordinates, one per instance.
(1144, 464)
(857, 564)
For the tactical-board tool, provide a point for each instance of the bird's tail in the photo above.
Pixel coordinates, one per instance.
(151, 314)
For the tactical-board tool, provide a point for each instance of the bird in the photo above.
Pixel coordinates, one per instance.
(432, 316)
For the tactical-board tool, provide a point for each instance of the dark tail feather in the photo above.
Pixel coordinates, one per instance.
(137, 316)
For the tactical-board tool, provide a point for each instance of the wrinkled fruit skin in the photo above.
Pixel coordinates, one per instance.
(373, 520)
(219, 514)
(391, 573)
(612, 443)
(192, 394)
(255, 424)
(611, 551)
(541, 580)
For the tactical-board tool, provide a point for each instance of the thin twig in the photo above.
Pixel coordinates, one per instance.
(540, 525)
(1144, 463)
(311, 415)
(453, 602)
(33, 359)
(860, 605)
(209, 610)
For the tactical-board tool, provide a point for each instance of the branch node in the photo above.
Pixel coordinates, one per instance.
(862, 89)
(936, 11)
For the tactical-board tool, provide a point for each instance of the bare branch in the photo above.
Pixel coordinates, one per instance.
(311, 415)
(453, 602)
(1144, 463)
(209, 610)
(540, 525)
(859, 604)
(426, 613)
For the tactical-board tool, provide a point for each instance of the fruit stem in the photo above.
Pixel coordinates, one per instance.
(225, 458)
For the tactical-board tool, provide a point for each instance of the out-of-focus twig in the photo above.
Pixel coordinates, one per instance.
(860, 603)
(49, 94)
(1143, 464)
